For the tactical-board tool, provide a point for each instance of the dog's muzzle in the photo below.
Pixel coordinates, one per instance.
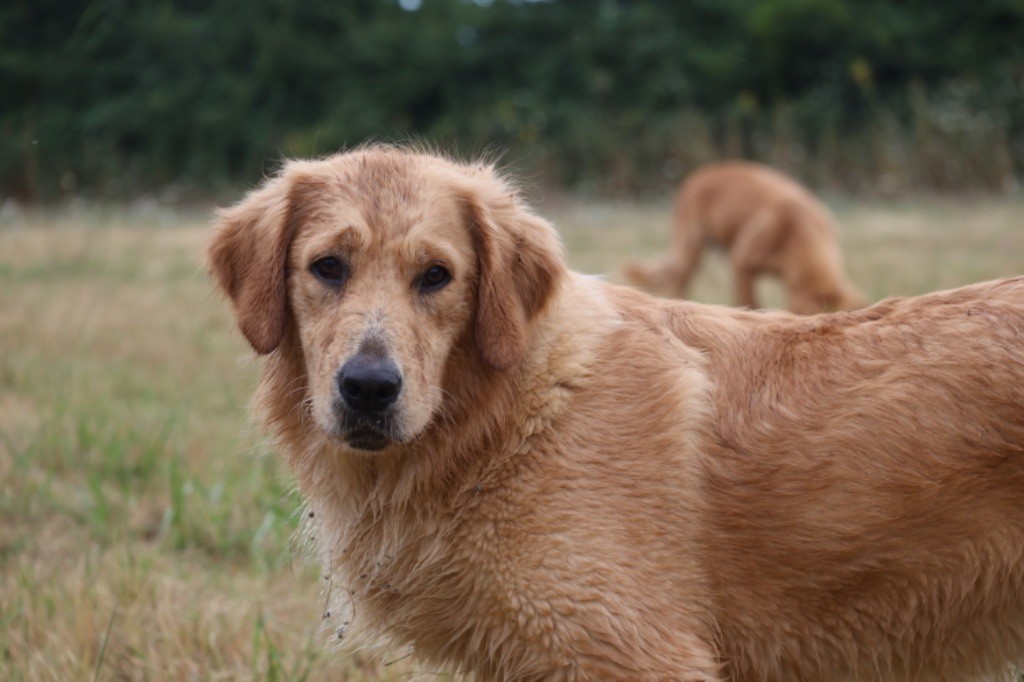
(369, 386)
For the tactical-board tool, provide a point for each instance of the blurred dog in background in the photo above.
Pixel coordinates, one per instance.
(768, 224)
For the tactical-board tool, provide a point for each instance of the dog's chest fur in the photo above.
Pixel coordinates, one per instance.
(443, 579)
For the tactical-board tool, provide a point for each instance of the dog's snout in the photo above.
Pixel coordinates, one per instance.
(369, 384)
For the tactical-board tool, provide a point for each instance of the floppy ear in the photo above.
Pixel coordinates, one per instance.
(247, 255)
(520, 261)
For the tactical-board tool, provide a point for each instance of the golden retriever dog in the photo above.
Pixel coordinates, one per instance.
(524, 473)
(768, 224)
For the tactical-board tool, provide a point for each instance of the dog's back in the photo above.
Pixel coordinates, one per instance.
(865, 484)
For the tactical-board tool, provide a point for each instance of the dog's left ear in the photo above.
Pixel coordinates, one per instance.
(520, 262)
(247, 255)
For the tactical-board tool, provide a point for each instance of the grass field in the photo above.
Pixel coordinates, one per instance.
(146, 531)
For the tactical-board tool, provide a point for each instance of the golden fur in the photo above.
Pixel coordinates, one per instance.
(768, 223)
(582, 482)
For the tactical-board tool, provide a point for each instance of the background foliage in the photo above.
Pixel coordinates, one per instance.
(114, 98)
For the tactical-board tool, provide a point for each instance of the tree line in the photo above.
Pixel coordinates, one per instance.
(116, 98)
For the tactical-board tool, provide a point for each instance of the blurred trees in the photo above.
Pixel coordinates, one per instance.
(117, 97)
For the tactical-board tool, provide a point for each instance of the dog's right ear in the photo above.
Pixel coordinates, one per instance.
(247, 255)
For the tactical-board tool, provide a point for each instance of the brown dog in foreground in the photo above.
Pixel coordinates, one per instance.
(768, 224)
(525, 473)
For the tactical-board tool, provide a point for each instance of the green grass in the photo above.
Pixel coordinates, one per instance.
(146, 531)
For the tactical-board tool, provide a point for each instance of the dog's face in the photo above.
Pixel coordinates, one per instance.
(386, 263)
(380, 297)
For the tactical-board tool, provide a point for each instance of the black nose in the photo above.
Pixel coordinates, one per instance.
(369, 383)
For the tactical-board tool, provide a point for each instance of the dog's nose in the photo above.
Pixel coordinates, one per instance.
(369, 384)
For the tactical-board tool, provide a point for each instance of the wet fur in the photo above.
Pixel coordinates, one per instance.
(768, 224)
(619, 487)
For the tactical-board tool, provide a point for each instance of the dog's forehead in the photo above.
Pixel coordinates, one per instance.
(393, 193)
(379, 201)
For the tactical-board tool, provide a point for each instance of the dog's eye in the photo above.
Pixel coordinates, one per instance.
(434, 278)
(330, 270)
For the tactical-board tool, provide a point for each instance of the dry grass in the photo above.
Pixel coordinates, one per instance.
(144, 531)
